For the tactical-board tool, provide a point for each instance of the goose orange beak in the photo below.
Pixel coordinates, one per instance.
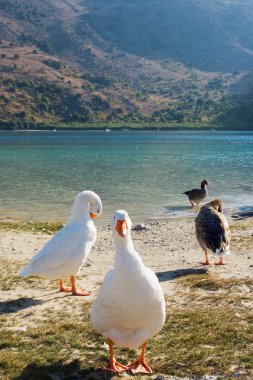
(121, 228)
(92, 215)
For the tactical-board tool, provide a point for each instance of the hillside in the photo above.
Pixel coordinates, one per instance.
(90, 61)
(209, 35)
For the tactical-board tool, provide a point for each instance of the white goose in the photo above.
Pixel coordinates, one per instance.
(130, 307)
(64, 255)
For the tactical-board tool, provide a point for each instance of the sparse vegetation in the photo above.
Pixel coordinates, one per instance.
(197, 339)
(30, 226)
(53, 63)
(208, 330)
(75, 75)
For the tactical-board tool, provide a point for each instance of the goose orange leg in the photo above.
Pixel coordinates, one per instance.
(140, 366)
(73, 288)
(207, 260)
(63, 288)
(113, 365)
(220, 262)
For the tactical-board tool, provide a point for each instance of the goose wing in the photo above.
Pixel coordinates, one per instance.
(192, 192)
(66, 244)
(212, 230)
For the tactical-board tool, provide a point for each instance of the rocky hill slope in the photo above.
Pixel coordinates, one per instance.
(209, 35)
(82, 60)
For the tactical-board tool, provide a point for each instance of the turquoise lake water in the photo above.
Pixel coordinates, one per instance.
(142, 172)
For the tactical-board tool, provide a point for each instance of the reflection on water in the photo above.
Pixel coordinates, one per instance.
(143, 172)
(171, 209)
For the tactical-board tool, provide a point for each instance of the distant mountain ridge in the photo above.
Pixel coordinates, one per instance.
(153, 60)
(212, 35)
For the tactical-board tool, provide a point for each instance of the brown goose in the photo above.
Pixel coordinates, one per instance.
(197, 195)
(212, 231)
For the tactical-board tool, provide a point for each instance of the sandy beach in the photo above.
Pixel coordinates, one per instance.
(169, 248)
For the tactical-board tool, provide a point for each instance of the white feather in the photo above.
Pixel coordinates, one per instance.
(222, 252)
(65, 253)
(130, 306)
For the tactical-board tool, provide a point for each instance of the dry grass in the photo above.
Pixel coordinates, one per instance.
(242, 225)
(208, 330)
(206, 337)
(18, 226)
(9, 279)
(193, 342)
(214, 283)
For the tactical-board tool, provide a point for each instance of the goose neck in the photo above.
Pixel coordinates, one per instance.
(80, 213)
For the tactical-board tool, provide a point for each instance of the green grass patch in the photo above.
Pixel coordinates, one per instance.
(9, 274)
(59, 346)
(211, 290)
(9, 278)
(213, 283)
(43, 227)
(194, 341)
(204, 340)
(242, 225)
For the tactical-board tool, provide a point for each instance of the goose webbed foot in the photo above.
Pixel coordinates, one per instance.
(207, 262)
(221, 262)
(63, 288)
(115, 366)
(73, 288)
(140, 365)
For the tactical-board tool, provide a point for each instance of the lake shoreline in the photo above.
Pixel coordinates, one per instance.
(53, 224)
(154, 241)
(169, 248)
(124, 126)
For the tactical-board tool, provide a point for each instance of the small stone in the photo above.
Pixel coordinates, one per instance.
(158, 377)
(233, 367)
(19, 328)
(140, 227)
(238, 374)
(207, 346)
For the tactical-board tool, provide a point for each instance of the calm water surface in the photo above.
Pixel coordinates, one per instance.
(142, 172)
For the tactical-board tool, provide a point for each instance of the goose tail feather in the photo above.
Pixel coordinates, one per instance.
(25, 272)
(222, 252)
